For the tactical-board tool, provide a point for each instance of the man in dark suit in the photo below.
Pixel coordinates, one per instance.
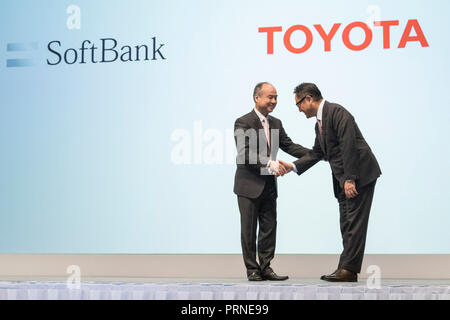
(354, 170)
(258, 137)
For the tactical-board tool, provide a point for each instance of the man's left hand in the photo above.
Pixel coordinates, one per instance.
(350, 189)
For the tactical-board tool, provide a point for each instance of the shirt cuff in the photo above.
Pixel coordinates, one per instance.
(294, 168)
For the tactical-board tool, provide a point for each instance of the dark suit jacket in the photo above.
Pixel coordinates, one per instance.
(343, 145)
(251, 173)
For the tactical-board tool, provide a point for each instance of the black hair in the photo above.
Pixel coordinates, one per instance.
(306, 89)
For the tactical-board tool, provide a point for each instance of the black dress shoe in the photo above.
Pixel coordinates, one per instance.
(254, 276)
(341, 275)
(272, 276)
(329, 275)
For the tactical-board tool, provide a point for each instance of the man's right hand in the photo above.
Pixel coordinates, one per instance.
(278, 169)
(288, 167)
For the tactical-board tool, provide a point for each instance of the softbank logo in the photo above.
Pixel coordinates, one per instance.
(107, 51)
(20, 54)
(412, 32)
(104, 50)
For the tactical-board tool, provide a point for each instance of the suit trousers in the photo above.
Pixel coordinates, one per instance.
(354, 219)
(262, 211)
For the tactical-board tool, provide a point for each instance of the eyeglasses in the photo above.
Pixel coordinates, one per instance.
(300, 101)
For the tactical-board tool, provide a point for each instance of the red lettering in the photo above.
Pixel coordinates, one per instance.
(386, 31)
(327, 37)
(270, 31)
(406, 37)
(346, 36)
(287, 39)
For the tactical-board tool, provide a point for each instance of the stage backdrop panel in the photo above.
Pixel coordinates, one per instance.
(116, 121)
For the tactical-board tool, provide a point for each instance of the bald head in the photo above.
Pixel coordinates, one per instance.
(258, 88)
(265, 97)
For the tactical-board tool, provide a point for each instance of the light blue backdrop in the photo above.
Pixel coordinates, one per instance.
(87, 161)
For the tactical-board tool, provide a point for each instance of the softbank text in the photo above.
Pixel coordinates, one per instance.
(107, 51)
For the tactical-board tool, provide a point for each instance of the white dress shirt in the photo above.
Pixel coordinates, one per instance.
(320, 111)
(261, 116)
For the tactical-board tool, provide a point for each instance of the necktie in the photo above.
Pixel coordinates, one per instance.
(266, 130)
(319, 123)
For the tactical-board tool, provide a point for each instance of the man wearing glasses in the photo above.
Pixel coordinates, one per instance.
(354, 170)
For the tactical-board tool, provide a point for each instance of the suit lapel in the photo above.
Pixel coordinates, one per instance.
(258, 125)
(271, 123)
(256, 122)
(273, 149)
(271, 127)
(319, 137)
(322, 136)
(324, 127)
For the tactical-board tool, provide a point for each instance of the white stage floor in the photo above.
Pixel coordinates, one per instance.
(219, 289)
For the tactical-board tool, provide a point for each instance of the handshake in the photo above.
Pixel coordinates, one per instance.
(280, 168)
